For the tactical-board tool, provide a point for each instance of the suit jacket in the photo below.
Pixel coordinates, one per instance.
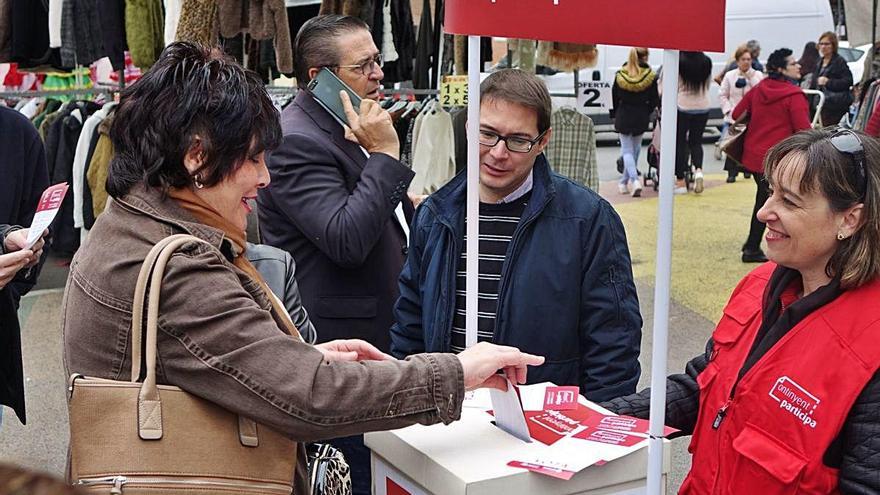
(332, 208)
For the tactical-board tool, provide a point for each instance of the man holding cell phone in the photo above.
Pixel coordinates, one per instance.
(337, 200)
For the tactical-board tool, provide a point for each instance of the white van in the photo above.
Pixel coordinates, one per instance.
(774, 23)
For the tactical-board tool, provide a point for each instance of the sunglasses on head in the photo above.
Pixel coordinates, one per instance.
(849, 143)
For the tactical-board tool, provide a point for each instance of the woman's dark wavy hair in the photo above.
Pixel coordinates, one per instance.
(192, 90)
(695, 69)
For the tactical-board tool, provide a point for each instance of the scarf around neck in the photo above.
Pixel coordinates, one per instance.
(209, 216)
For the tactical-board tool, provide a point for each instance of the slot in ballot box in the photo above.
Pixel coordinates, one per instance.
(471, 456)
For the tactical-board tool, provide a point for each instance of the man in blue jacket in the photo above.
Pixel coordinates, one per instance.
(555, 275)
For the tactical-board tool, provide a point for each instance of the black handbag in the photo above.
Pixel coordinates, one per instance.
(329, 472)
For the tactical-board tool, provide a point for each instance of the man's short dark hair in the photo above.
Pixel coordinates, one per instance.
(192, 90)
(316, 43)
(522, 88)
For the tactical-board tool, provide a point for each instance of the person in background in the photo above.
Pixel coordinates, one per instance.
(338, 202)
(777, 108)
(808, 62)
(577, 306)
(190, 139)
(635, 98)
(872, 128)
(694, 72)
(755, 49)
(24, 175)
(833, 77)
(734, 86)
(784, 400)
(14, 260)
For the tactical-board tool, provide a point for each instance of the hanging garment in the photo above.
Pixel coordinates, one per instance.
(404, 39)
(459, 129)
(81, 152)
(433, 158)
(172, 17)
(88, 210)
(55, 12)
(362, 9)
(112, 18)
(81, 33)
(268, 21)
(198, 22)
(144, 28)
(424, 62)
(99, 167)
(567, 56)
(572, 151)
(5, 30)
(389, 53)
(61, 148)
(29, 32)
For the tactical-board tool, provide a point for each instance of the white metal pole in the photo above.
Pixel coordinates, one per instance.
(473, 191)
(668, 123)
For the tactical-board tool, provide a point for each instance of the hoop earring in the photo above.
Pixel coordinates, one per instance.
(197, 182)
(840, 236)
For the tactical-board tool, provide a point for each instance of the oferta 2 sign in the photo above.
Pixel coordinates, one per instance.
(675, 24)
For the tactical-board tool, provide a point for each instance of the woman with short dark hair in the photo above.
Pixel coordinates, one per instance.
(777, 109)
(190, 138)
(784, 400)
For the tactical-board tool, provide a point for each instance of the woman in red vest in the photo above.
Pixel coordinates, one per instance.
(785, 399)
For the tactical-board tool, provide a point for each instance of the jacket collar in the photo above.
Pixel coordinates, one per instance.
(152, 202)
(449, 202)
(305, 101)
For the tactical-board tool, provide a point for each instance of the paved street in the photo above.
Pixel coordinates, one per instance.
(709, 230)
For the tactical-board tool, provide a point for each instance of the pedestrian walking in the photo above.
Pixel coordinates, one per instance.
(734, 86)
(694, 73)
(777, 109)
(635, 99)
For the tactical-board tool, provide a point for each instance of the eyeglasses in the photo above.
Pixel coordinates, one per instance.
(848, 142)
(823, 43)
(367, 67)
(513, 143)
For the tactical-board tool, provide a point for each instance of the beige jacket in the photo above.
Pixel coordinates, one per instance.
(219, 341)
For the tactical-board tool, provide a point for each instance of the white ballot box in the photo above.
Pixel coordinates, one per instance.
(473, 456)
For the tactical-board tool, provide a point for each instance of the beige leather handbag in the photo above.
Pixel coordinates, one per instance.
(136, 438)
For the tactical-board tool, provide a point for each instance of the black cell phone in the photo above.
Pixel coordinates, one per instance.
(326, 87)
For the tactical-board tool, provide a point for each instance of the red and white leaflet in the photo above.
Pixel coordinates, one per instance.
(50, 203)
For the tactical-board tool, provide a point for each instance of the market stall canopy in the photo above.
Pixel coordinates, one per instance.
(675, 24)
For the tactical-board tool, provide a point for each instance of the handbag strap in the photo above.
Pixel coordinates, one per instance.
(149, 403)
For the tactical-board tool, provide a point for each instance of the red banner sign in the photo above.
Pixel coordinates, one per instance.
(696, 25)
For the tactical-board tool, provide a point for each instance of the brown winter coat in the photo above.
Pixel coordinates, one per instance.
(219, 340)
(263, 20)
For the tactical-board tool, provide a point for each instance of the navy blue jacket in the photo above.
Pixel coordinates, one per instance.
(566, 292)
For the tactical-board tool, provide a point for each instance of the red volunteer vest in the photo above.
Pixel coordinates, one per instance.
(791, 405)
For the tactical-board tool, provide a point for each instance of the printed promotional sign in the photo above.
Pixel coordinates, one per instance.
(593, 95)
(454, 91)
(676, 24)
(50, 203)
(556, 470)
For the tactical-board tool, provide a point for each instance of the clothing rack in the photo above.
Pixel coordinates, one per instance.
(61, 92)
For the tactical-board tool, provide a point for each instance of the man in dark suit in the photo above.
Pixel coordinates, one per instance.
(337, 200)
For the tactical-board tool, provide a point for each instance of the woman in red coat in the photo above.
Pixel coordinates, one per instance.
(777, 109)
